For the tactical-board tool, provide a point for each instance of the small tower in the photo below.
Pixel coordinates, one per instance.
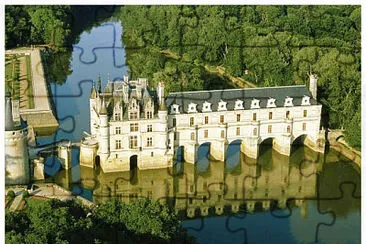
(17, 165)
(313, 86)
(103, 133)
(93, 111)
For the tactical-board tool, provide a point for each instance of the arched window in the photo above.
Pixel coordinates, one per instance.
(287, 114)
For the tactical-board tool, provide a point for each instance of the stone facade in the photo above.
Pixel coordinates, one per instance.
(132, 122)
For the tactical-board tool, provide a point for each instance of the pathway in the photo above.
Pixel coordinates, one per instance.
(16, 202)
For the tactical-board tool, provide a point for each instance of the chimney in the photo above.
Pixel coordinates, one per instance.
(125, 79)
(313, 85)
(161, 92)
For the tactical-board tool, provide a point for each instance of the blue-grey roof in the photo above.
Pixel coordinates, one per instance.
(231, 95)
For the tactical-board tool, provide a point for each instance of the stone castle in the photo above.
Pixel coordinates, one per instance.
(133, 125)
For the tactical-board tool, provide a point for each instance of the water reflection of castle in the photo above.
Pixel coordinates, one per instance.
(271, 180)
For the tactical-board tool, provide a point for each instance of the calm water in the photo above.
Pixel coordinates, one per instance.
(307, 197)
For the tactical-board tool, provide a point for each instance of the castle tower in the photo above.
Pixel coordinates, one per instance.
(103, 133)
(17, 165)
(313, 86)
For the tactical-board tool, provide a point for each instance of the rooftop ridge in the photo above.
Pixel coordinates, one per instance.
(237, 89)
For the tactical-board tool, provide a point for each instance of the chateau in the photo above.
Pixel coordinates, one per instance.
(133, 125)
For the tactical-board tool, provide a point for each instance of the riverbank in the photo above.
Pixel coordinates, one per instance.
(337, 142)
(40, 116)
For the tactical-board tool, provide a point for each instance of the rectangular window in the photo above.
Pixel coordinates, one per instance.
(192, 136)
(133, 142)
(254, 116)
(118, 130)
(305, 113)
(149, 142)
(206, 133)
(238, 131)
(222, 119)
(222, 134)
(270, 129)
(206, 120)
(238, 118)
(288, 129)
(174, 122)
(303, 126)
(175, 136)
(133, 115)
(191, 121)
(149, 128)
(134, 127)
(118, 144)
(149, 114)
(287, 114)
(254, 131)
(117, 116)
(270, 115)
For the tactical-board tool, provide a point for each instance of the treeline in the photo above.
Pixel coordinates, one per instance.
(264, 45)
(54, 221)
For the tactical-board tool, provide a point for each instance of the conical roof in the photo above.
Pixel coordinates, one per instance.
(93, 93)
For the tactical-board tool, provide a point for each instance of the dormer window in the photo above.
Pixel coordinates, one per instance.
(192, 108)
(239, 105)
(255, 103)
(288, 102)
(222, 106)
(305, 100)
(206, 107)
(174, 109)
(271, 103)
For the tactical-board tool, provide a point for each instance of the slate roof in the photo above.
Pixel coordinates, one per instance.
(183, 99)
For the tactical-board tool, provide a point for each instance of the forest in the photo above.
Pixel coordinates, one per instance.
(55, 221)
(210, 47)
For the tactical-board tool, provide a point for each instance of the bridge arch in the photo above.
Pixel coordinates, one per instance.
(202, 161)
(265, 144)
(297, 142)
(233, 154)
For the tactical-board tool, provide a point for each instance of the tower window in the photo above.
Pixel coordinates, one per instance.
(133, 142)
(149, 142)
(222, 119)
(118, 144)
(133, 115)
(118, 130)
(134, 127)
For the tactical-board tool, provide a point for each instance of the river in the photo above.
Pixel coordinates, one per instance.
(303, 198)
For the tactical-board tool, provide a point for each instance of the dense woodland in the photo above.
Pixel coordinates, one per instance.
(54, 221)
(184, 46)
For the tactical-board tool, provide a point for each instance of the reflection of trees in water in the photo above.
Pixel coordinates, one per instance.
(340, 184)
